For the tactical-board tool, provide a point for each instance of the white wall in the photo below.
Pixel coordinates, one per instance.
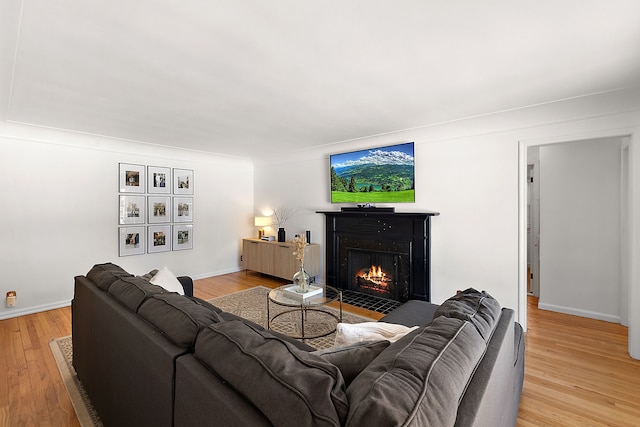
(474, 240)
(60, 212)
(580, 228)
(471, 172)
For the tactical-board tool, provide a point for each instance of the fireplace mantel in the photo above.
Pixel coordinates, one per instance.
(384, 228)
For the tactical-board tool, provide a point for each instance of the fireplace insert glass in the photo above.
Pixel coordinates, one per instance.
(379, 273)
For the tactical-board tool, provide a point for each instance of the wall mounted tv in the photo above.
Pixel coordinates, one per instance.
(377, 175)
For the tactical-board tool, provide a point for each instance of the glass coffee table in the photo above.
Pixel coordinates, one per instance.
(316, 305)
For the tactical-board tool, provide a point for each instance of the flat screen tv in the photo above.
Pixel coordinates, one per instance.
(377, 175)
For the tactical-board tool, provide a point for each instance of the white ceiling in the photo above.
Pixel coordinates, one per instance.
(250, 78)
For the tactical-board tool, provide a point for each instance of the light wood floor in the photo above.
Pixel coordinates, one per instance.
(577, 371)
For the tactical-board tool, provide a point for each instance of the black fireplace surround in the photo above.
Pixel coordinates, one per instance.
(398, 243)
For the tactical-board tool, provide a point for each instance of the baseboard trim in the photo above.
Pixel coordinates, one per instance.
(10, 313)
(216, 273)
(578, 312)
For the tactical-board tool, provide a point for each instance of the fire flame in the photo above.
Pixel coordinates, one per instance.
(375, 275)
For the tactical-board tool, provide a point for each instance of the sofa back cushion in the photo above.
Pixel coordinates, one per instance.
(289, 386)
(477, 307)
(297, 343)
(178, 317)
(104, 275)
(132, 291)
(419, 379)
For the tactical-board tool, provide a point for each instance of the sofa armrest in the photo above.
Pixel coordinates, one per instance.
(187, 285)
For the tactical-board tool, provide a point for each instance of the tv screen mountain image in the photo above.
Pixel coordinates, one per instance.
(377, 175)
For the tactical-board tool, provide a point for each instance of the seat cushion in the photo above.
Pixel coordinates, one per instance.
(479, 308)
(289, 386)
(412, 313)
(419, 379)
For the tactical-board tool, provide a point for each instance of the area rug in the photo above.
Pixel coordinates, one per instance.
(250, 304)
(62, 350)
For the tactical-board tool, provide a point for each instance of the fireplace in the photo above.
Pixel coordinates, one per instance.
(379, 253)
(381, 274)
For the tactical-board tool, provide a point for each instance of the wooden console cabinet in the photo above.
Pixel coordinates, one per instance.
(277, 259)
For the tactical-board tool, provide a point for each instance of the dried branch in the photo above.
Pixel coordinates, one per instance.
(301, 245)
(282, 215)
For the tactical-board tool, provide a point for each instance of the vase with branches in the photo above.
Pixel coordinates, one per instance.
(282, 215)
(301, 278)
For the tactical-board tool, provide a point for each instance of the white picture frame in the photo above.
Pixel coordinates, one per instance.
(159, 209)
(158, 180)
(158, 238)
(182, 181)
(131, 178)
(132, 210)
(183, 209)
(182, 237)
(131, 241)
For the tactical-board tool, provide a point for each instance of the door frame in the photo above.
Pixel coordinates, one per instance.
(523, 162)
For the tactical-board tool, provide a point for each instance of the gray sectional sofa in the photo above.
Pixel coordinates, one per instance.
(148, 357)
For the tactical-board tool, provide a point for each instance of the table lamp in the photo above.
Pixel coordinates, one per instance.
(261, 221)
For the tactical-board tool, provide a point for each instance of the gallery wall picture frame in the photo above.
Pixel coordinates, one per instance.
(158, 238)
(158, 180)
(183, 209)
(132, 210)
(182, 181)
(182, 237)
(132, 178)
(131, 241)
(159, 209)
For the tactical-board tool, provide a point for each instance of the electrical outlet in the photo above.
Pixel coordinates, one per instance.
(11, 299)
(240, 258)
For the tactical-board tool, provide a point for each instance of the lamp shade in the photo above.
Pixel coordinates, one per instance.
(262, 221)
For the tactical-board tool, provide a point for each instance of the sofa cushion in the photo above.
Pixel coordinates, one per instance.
(419, 379)
(132, 291)
(206, 304)
(289, 386)
(178, 317)
(477, 307)
(352, 359)
(412, 313)
(298, 343)
(104, 275)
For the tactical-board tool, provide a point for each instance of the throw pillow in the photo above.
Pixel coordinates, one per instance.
(352, 359)
(289, 386)
(369, 331)
(167, 280)
(418, 380)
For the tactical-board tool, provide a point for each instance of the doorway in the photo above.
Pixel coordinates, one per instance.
(575, 224)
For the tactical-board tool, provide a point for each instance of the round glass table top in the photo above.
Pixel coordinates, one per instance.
(286, 295)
